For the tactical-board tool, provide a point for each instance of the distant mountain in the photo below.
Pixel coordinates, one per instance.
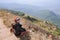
(34, 11)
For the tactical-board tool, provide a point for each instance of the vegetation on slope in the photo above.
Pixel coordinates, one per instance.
(43, 24)
(31, 19)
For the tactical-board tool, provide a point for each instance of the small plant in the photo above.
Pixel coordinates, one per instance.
(31, 18)
(18, 13)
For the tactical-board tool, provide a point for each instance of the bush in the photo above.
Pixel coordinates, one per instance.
(18, 13)
(31, 18)
(57, 32)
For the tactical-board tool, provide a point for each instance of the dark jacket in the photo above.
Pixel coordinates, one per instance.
(18, 28)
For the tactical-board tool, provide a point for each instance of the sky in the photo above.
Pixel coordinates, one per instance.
(49, 4)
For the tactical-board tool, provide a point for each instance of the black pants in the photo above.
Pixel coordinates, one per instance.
(18, 32)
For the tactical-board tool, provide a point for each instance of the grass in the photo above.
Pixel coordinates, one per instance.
(31, 19)
(8, 19)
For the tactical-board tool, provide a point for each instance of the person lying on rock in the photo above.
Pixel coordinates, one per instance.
(17, 28)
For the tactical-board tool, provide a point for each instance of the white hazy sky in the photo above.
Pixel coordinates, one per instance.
(30, 1)
(50, 4)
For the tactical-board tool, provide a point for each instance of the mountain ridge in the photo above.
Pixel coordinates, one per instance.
(34, 11)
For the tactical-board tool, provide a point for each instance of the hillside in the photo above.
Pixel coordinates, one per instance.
(5, 32)
(40, 30)
(35, 11)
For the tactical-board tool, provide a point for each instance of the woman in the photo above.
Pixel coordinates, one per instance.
(17, 27)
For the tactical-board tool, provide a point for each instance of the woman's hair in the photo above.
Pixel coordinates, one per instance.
(17, 19)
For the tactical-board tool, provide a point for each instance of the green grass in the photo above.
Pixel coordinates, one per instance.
(18, 13)
(55, 32)
(34, 20)
(37, 22)
(31, 19)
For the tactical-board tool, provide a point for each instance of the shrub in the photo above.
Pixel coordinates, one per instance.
(31, 18)
(18, 13)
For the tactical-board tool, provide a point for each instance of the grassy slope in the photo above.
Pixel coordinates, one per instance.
(43, 24)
